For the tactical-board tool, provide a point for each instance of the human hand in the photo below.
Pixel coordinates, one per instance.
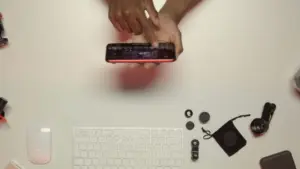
(129, 16)
(168, 32)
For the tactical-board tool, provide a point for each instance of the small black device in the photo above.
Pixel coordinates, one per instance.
(190, 125)
(188, 113)
(140, 53)
(204, 117)
(3, 103)
(281, 160)
(195, 149)
(3, 40)
(260, 126)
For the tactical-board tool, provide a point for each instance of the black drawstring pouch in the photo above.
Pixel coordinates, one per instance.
(228, 137)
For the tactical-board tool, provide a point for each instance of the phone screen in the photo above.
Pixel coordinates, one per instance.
(140, 52)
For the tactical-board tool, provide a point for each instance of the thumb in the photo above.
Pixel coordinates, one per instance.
(149, 33)
(176, 39)
(153, 14)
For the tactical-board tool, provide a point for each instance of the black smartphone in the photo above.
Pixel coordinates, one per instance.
(140, 53)
(281, 160)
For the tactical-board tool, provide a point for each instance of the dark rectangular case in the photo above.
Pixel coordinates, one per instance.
(281, 160)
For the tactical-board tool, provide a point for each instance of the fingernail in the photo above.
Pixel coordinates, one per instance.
(133, 65)
(155, 44)
(150, 65)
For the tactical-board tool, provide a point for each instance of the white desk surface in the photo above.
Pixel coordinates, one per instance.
(238, 55)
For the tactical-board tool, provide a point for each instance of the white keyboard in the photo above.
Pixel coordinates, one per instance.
(127, 148)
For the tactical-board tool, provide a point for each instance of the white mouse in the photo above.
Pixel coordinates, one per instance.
(39, 145)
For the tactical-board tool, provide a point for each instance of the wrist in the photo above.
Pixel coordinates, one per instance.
(173, 11)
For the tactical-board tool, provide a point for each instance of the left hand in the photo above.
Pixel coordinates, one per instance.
(167, 32)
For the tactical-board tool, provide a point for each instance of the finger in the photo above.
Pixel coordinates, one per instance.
(139, 39)
(122, 22)
(150, 65)
(134, 25)
(177, 40)
(153, 14)
(148, 30)
(134, 65)
(118, 16)
(113, 20)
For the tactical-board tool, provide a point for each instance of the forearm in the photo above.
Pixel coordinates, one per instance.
(177, 9)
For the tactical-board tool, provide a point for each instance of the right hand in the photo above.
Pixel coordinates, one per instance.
(168, 32)
(129, 16)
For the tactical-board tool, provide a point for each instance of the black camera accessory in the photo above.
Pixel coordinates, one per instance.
(204, 117)
(195, 149)
(3, 103)
(188, 113)
(261, 125)
(297, 80)
(140, 53)
(228, 137)
(3, 40)
(190, 125)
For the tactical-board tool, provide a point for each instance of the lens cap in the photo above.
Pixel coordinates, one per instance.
(204, 117)
(190, 125)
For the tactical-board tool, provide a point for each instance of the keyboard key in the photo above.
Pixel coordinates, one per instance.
(126, 162)
(82, 146)
(84, 154)
(95, 162)
(77, 153)
(90, 147)
(78, 162)
(117, 162)
(110, 162)
(87, 162)
(178, 162)
(133, 162)
(102, 161)
(92, 154)
(97, 147)
(93, 139)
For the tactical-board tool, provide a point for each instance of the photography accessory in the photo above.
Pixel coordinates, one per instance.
(204, 117)
(140, 53)
(261, 125)
(188, 113)
(195, 149)
(3, 103)
(190, 125)
(296, 81)
(3, 40)
(228, 137)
